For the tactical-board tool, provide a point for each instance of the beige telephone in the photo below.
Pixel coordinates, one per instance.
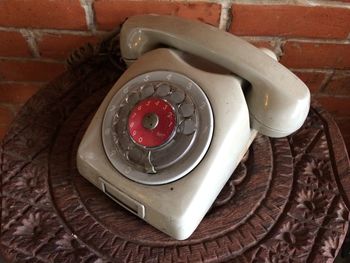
(176, 124)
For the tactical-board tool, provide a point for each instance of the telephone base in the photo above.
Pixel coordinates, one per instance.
(174, 207)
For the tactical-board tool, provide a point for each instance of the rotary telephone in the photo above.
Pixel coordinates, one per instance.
(173, 128)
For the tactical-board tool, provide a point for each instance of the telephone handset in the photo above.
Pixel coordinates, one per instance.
(176, 124)
(279, 101)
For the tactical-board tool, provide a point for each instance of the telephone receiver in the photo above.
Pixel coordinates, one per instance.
(279, 101)
(176, 124)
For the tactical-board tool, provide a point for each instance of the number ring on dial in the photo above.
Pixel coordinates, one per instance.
(152, 122)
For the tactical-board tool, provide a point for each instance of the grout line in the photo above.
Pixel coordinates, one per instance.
(325, 82)
(29, 36)
(49, 60)
(328, 3)
(336, 96)
(39, 59)
(54, 31)
(321, 70)
(312, 70)
(318, 40)
(223, 22)
(89, 14)
(310, 3)
(225, 15)
(276, 44)
(13, 107)
(259, 38)
(23, 82)
(307, 3)
(279, 48)
(296, 39)
(341, 118)
(71, 32)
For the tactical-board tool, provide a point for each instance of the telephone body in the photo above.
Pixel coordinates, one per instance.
(173, 128)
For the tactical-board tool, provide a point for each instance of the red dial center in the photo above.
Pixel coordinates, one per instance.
(151, 122)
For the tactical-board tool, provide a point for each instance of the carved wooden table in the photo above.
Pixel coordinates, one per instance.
(286, 202)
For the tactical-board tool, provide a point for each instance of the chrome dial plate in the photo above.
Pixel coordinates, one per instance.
(185, 148)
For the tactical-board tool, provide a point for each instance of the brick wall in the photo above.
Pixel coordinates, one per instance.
(312, 38)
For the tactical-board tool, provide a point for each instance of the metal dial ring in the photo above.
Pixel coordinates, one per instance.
(175, 155)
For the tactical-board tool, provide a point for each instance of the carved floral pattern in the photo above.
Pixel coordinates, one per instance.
(330, 247)
(27, 181)
(342, 214)
(315, 209)
(317, 168)
(310, 201)
(279, 254)
(67, 244)
(30, 226)
(293, 234)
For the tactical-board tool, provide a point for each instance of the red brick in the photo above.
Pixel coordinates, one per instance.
(61, 46)
(339, 84)
(17, 92)
(338, 106)
(316, 55)
(13, 44)
(110, 14)
(58, 14)
(6, 115)
(29, 70)
(313, 80)
(290, 20)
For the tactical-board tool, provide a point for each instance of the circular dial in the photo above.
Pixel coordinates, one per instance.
(152, 122)
(157, 127)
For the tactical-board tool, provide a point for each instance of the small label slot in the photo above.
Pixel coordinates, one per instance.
(122, 199)
(115, 199)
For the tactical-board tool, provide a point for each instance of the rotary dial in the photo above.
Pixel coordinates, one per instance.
(157, 127)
